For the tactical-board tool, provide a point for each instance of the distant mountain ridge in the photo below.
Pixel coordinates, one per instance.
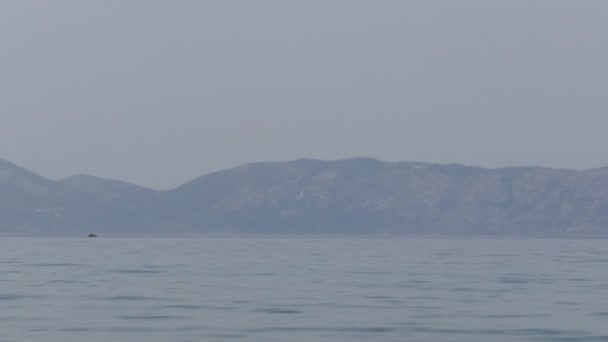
(307, 196)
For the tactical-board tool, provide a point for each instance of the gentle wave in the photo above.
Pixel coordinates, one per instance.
(334, 290)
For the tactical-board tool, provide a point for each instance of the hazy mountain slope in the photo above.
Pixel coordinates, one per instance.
(352, 196)
(22, 184)
(25, 198)
(31, 204)
(368, 196)
(98, 204)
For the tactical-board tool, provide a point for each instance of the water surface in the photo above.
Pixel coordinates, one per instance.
(302, 289)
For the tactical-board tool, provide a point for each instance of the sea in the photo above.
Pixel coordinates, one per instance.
(302, 289)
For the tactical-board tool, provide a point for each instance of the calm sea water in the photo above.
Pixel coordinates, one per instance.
(300, 289)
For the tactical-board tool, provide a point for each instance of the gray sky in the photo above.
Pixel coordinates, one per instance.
(160, 92)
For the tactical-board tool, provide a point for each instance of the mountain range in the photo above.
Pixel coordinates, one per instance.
(314, 197)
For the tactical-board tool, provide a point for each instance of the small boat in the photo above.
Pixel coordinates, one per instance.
(92, 235)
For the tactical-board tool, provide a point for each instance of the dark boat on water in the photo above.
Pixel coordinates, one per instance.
(92, 235)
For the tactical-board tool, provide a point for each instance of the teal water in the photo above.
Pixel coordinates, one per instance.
(302, 289)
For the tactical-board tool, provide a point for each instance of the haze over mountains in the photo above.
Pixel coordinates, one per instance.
(352, 196)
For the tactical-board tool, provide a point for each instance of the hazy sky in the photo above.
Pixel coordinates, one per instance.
(160, 92)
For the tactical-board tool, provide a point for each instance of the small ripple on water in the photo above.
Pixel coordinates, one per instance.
(579, 279)
(529, 333)
(57, 264)
(515, 280)
(64, 281)
(200, 307)
(148, 317)
(9, 296)
(567, 303)
(145, 329)
(137, 271)
(410, 295)
(278, 311)
(463, 289)
(599, 338)
(224, 336)
(495, 316)
(76, 329)
(135, 298)
(184, 306)
(293, 329)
